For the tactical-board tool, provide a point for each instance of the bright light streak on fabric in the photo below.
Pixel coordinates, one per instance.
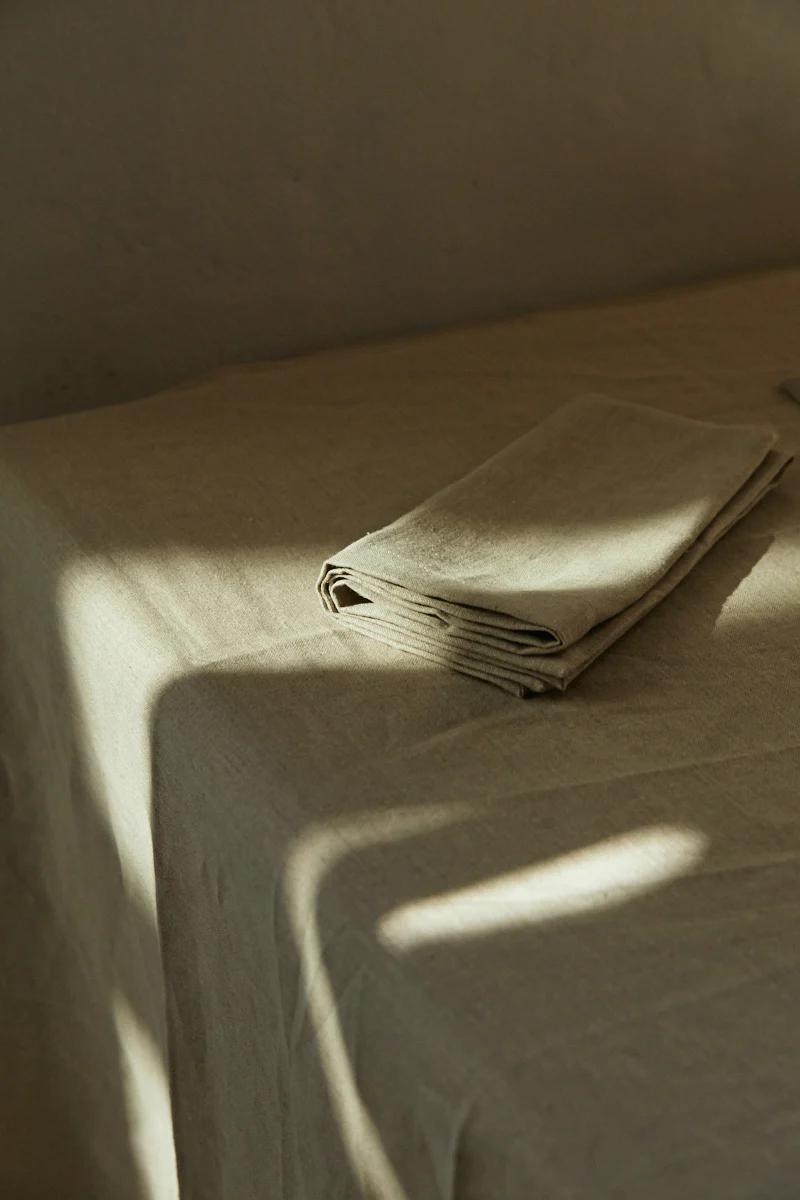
(601, 876)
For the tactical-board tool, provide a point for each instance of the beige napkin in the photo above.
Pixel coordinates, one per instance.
(523, 571)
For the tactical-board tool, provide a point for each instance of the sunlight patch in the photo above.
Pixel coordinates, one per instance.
(147, 1098)
(601, 876)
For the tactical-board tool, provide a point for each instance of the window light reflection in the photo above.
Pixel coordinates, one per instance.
(602, 876)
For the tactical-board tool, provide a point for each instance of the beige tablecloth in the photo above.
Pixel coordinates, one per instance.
(287, 913)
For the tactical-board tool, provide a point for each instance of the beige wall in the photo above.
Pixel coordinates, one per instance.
(191, 182)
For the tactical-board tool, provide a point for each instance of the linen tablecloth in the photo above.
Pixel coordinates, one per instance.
(288, 913)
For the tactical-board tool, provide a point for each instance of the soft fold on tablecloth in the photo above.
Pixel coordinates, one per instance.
(524, 570)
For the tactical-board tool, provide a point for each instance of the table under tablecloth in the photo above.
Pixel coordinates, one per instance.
(288, 913)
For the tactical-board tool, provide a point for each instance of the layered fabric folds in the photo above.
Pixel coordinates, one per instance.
(526, 569)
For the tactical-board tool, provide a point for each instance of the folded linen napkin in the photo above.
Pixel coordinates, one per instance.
(523, 571)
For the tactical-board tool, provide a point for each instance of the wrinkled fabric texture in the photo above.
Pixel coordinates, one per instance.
(525, 570)
(288, 913)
